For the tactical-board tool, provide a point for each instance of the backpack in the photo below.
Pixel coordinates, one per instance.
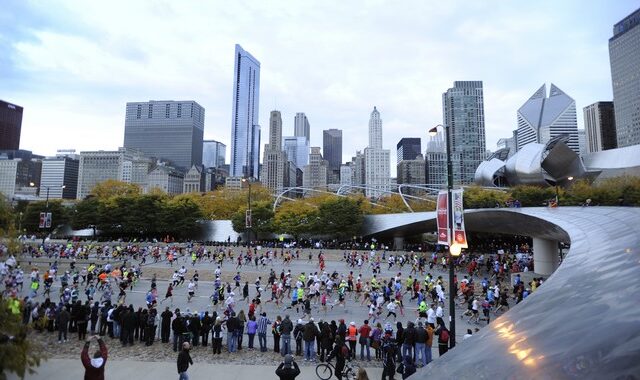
(444, 336)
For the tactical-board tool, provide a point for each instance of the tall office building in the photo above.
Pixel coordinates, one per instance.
(582, 141)
(245, 129)
(315, 174)
(600, 125)
(273, 164)
(436, 161)
(543, 118)
(463, 114)
(10, 126)
(168, 130)
(301, 126)
(60, 175)
(125, 165)
(332, 147)
(408, 148)
(297, 150)
(213, 154)
(377, 167)
(346, 174)
(412, 172)
(166, 179)
(624, 56)
(358, 169)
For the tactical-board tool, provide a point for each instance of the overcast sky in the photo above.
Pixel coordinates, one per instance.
(74, 64)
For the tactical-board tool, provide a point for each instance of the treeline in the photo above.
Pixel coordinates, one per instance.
(120, 210)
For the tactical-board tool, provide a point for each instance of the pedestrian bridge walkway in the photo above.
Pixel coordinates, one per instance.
(584, 322)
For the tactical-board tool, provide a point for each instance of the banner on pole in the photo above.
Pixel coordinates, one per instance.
(43, 220)
(442, 218)
(247, 219)
(48, 220)
(459, 233)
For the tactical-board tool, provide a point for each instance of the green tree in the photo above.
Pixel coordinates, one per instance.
(6, 214)
(31, 217)
(18, 355)
(86, 213)
(339, 217)
(261, 218)
(111, 188)
(295, 218)
(179, 216)
(532, 196)
(478, 197)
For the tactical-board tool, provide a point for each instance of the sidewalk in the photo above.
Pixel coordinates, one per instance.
(123, 369)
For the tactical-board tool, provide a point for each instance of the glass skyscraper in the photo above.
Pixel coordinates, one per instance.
(408, 148)
(463, 111)
(332, 147)
(10, 125)
(168, 130)
(624, 55)
(245, 129)
(543, 118)
(213, 153)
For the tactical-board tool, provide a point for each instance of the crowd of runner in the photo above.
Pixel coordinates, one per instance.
(92, 298)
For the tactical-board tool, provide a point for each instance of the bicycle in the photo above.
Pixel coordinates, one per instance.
(325, 371)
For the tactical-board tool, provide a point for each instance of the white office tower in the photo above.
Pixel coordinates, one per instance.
(377, 166)
(543, 118)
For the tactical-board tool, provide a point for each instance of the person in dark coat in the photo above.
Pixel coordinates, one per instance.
(94, 367)
(341, 353)
(165, 325)
(95, 313)
(184, 359)
(63, 323)
(207, 324)
(288, 369)
(129, 322)
(178, 327)
(83, 317)
(195, 326)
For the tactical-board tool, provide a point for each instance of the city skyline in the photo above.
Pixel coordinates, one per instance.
(66, 77)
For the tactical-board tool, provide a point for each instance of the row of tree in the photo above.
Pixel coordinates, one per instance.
(119, 209)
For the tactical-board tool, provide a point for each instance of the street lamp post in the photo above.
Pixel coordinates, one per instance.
(248, 216)
(453, 251)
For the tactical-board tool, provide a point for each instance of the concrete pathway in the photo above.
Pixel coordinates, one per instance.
(122, 369)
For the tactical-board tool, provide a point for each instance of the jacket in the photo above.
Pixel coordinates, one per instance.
(184, 359)
(94, 368)
(288, 373)
(310, 332)
(286, 327)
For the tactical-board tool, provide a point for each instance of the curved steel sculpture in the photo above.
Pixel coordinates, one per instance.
(583, 323)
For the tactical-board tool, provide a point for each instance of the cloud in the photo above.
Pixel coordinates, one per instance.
(74, 64)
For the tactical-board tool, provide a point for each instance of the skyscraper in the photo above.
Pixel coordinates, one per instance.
(315, 174)
(332, 147)
(376, 168)
(58, 172)
(600, 125)
(213, 153)
(168, 130)
(10, 126)
(624, 55)
(274, 161)
(463, 114)
(542, 118)
(408, 148)
(297, 150)
(301, 126)
(245, 129)
(412, 172)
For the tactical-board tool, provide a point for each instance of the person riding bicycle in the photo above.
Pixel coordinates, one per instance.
(341, 353)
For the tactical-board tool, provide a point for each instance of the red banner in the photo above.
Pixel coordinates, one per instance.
(442, 218)
(458, 219)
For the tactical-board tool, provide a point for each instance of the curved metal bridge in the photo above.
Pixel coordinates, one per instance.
(583, 323)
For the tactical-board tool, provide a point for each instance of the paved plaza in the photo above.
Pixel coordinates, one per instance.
(160, 358)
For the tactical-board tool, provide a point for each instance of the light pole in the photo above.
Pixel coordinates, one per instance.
(454, 250)
(248, 216)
